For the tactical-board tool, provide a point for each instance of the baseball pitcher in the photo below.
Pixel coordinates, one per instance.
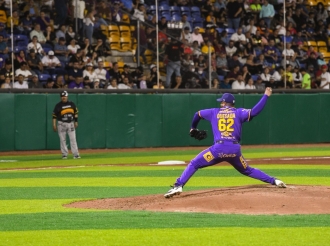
(226, 124)
(66, 113)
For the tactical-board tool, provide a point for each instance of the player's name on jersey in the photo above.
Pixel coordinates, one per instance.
(226, 116)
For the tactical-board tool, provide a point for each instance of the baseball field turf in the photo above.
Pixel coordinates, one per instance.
(32, 199)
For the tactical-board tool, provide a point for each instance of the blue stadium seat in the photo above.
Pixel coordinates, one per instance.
(255, 77)
(19, 48)
(44, 77)
(176, 18)
(195, 11)
(198, 22)
(175, 10)
(185, 10)
(54, 77)
(221, 78)
(164, 10)
(230, 30)
(219, 30)
(152, 9)
(167, 16)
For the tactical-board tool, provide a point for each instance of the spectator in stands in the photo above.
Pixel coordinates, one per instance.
(210, 19)
(39, 34)
(73, 47)
(59, 82)
(61, 12)
(36, 46)
(27, 22)
(299, 19)
(70, 34)
(297, 77)
(117, 14)
(225, 84)
(322, 13)
(3, 48)
(312, 61)
(238, 38)
(104, 12)
(89, 25)
(259, 84)
(7, 83)
(23, 70)
(89, 75)
(3, 31)
(253, 67)
(126, 85)
(325, 78)
(61, 50)
(320, 60)
(139, 13)
(113, 84)
(102, 50)
(101, 74)
(234, 10)
(231, 49)
(196, 36)
(234, 62)
(185, 23)
(88, 50)
(61, 33)
(43, 21)
(20, 57)
(186, 35)
(233, 74)
(207, 47)
(115, 73)
(306, 81)
(75, 71)
(195, 49)
(52, 64)
(265, 76)
(78, 57)
(50, 37)
(17, 29)
(246, 73)
(238, 84)
(77, 83)
(250, 85)
(20, 83)
(7, 71)
(267, 12)
(172, 58)
(251, 27)
(271, 52)
(162, 24)
(222, 64)
(288, 77)
(255, 7)
(33, 9)
(209, 34)
(137, 75)
(78, 13)
(49, 84)
(153, 77)
(35, 63)
(250, 50)
(35, 83)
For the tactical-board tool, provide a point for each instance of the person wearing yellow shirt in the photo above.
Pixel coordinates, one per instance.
(306, 82)
(205, 48)
(289, 76)
(15, 18)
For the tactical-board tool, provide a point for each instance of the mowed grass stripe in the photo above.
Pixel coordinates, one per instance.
(150, 181)
(148, 157)
(234, 236)
(144, 220)
(161, 173)
(69, 192)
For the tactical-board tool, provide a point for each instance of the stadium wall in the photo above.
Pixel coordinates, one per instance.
(154, 120)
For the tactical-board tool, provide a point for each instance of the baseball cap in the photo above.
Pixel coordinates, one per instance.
(324, 67)
(89, 65)
(152, 66)
(227, 97)
(197, 27)
(64, 94)
(126, 66)
(50, 53)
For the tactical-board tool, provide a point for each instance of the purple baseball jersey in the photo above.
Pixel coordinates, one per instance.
(227, 128)
(226, 122)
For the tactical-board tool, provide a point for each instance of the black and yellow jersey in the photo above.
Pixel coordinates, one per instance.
(66, 112)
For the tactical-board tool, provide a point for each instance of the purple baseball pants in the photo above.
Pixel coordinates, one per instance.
(217, 153)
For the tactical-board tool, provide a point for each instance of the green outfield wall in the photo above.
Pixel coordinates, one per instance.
(153, 120)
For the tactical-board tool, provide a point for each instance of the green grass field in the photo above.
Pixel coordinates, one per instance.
(32, 212)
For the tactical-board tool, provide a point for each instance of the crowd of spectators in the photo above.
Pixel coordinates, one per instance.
(237, 44)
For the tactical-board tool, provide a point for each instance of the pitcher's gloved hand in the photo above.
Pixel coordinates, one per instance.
(198, 134)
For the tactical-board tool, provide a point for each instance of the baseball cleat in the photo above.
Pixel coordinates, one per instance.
(176, 190)
(64, 157)
(76, 157)
(280, 183)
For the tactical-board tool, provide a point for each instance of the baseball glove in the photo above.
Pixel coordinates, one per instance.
(198, 134)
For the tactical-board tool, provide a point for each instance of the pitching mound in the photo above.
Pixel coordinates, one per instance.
(254, 199)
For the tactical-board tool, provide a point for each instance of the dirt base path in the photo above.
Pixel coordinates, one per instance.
(255, 199)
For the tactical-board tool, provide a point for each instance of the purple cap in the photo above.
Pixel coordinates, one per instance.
(227, 97)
